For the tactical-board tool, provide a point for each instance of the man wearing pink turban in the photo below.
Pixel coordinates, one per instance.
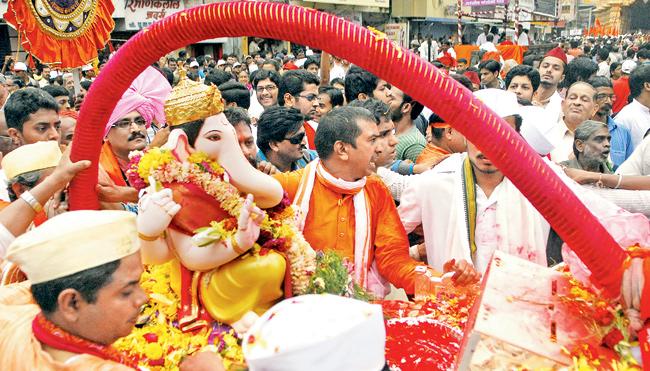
(141, 105)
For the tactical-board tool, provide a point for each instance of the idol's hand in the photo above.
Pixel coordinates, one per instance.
(156, 212)
(248, 225)
(464, 272)
(631, 291)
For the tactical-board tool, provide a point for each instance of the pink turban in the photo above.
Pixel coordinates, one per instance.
(147, 95)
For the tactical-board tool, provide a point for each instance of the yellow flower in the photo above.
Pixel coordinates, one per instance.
(153, 351)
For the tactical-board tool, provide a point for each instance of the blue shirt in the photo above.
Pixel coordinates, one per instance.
(308, 156)
(621, 143)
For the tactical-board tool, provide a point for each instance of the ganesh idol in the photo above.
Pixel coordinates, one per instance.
(201, 209)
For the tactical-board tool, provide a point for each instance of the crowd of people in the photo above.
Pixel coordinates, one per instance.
(377, 177)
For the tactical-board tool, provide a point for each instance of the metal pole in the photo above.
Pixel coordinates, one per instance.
(459, 12)
(516, 40)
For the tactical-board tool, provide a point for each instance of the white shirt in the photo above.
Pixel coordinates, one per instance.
(522, 40)
(488, 46)
(4, 194)
(636, 117)
(639, 161)
(6, 238)
(554, 107)
(486, 219)
(563, 142)
(603, 69)
(337, 71)
(394, 182)
(482, 38)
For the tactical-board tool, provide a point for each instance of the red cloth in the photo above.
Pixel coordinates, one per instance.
(311, 135)
(506, 42)
(447, 60)
(558, 53)
(622, 92)
(473, 77)
(49, 334)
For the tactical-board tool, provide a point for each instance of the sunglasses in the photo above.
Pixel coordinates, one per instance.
(296, 139)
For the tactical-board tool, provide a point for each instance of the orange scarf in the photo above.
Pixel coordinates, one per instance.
(362, 224)
(108, 162)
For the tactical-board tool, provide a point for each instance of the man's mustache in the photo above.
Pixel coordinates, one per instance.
(135, 136)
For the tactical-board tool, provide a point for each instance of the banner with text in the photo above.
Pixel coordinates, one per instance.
(139, 14)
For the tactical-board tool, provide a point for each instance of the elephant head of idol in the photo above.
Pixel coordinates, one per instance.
(195, 113)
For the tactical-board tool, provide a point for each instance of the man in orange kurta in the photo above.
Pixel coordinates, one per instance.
(442, 141)
(330, 194)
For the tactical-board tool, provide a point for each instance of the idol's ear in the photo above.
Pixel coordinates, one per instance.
(179, 145)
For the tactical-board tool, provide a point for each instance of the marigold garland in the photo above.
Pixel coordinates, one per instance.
(158, 344)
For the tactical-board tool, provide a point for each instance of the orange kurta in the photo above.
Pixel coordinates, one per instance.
(330, 226)
(432, 155)
(21, 351)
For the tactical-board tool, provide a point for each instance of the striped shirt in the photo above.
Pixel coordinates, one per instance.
(410, 144)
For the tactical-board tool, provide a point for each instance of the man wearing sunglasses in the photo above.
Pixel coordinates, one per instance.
(299, 89)
(282, 140)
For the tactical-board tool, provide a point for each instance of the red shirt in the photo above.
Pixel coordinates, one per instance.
(622, 92)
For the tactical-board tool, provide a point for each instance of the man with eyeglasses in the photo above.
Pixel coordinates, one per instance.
(281, 139)
(126, 131)
(621, 142)
(299, 89)
(266, 85)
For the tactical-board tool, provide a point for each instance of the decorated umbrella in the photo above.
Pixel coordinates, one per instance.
(64, 33)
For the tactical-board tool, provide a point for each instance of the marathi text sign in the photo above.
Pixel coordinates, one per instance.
(397, 33)
(375, 3)
(484, 2)
(139, 14)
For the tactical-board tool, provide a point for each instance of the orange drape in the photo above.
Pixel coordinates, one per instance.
(515, 52)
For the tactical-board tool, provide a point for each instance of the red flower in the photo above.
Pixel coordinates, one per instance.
(603, 316)
(612, 338)
(150, 337)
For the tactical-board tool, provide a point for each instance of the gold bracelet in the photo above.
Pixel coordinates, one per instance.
(31, 201)
(235, 246)
(148, 238)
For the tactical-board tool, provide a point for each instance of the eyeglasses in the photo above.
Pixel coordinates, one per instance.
(269, 88)
(126, 123)
(603, 96)
(296, 139)
(310, 97)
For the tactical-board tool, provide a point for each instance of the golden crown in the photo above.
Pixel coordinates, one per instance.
(190, 101)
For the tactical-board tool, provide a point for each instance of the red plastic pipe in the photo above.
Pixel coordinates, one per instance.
(568, 216)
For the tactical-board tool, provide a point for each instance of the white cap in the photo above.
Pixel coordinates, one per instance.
(628, 66)
(73, 242)
(54, 74)
(20, 66)
(194, 64)
(537, 128)
(503, 103)
(87, 67)
(237, 64)
(221, 62)
(317, 333)
(207, 56)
